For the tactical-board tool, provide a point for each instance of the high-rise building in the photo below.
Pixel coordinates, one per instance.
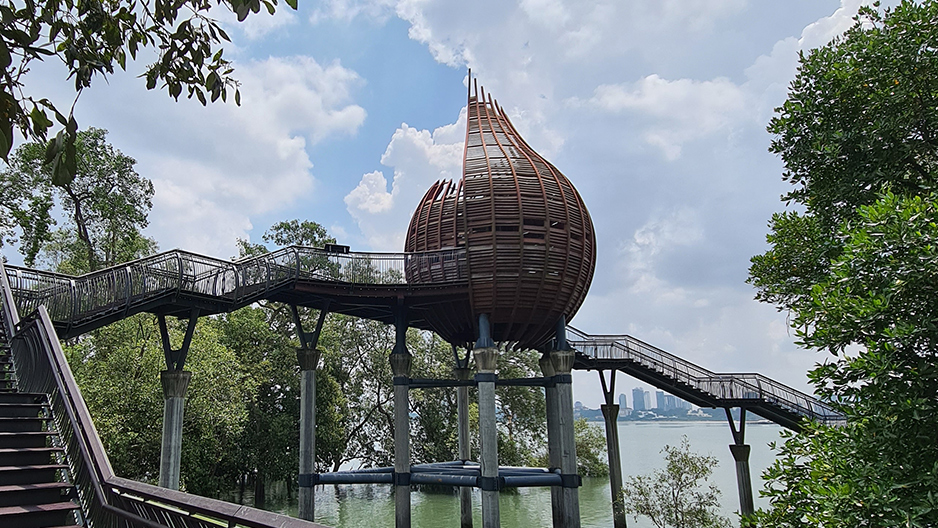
(623, 403)
(647, 396)
(638, 399)
(670, 402)
(659, 401)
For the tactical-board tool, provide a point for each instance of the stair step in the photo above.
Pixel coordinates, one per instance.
(22, 423)
(10, 475)
(27, 456)
(36, 515)
(40, 493)
(22, 397)
(21, 409)
(25, 439)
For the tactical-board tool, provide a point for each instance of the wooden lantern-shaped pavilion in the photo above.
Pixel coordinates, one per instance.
(529, 240)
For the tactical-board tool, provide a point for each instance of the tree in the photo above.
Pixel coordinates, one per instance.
(118, 370)
(877, 314)
(590, 449)
(861, 116)
(91, 38)
(675, 496)
(856, 271)
(106, 206)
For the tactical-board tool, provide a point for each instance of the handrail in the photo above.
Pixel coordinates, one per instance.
(72, 300)
(105, 499)
(726, 387)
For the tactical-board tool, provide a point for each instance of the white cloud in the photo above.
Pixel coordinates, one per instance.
(679, 110)
(418, 158)
(216, 167)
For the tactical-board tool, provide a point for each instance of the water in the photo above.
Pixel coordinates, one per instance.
(367, 506)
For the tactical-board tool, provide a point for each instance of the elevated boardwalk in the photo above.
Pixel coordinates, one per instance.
(369, 285)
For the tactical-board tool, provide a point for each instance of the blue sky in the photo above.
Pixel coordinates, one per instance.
(655, 110)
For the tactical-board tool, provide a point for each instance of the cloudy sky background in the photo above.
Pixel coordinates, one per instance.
(655, 109)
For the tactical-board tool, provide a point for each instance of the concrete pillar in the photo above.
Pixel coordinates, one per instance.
(462, 427)
(175, 383)
(562, 360)
(553, 439)
(611, 417)
(486, 359)
(400, 366)
(309, 362)
(743, 480)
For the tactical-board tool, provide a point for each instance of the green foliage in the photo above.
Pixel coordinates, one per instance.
(90, 38)
(118, 369)
(876, 313)
(106, 206)
(862, 114)
(675, 496)
(857, 270)
(590, 449)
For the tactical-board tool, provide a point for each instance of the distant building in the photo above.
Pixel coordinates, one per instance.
(670, 402)
(659, 401)
(647, 398)
(638, 399)
(623, 403)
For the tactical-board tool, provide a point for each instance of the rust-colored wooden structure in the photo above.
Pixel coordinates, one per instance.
(530, 243)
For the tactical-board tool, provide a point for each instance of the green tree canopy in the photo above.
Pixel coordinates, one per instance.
(105, 207)
(92, 38)
(677, 496)
(856, 269)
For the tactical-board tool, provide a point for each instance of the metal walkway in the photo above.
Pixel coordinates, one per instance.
(762, 395)
(367, 285)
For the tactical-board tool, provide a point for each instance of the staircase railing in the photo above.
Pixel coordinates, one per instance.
(174, 273)
(107, 501)
(735, 387)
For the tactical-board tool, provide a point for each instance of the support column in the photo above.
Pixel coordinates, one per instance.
(309, 362)
(553, 438)
(308, 356)
(611, 418)
(486, 359)
(175, 384)
(740, 452)
(400, 367)
(562, 360)
(462, 372)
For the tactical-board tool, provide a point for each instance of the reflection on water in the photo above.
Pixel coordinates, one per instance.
(372, 505)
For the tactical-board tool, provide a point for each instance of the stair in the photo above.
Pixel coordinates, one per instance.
(33, 488)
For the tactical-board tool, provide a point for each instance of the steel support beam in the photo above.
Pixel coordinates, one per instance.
(175, 383)
(553, 439)
(562, 359)
(400, 366)
(740, 452)
(611, 417)
(462, 372)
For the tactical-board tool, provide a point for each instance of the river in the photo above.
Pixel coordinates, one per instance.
(367, 506)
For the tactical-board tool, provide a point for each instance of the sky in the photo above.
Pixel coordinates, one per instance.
(655, 110)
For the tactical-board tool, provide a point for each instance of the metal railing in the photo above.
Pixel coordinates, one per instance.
(177, 273)
(107, 501)
(734, 387)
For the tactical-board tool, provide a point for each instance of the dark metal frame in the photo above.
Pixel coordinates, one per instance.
(106, 500)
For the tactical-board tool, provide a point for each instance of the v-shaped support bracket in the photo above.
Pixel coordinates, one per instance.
(309, 340)
(176, 359)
